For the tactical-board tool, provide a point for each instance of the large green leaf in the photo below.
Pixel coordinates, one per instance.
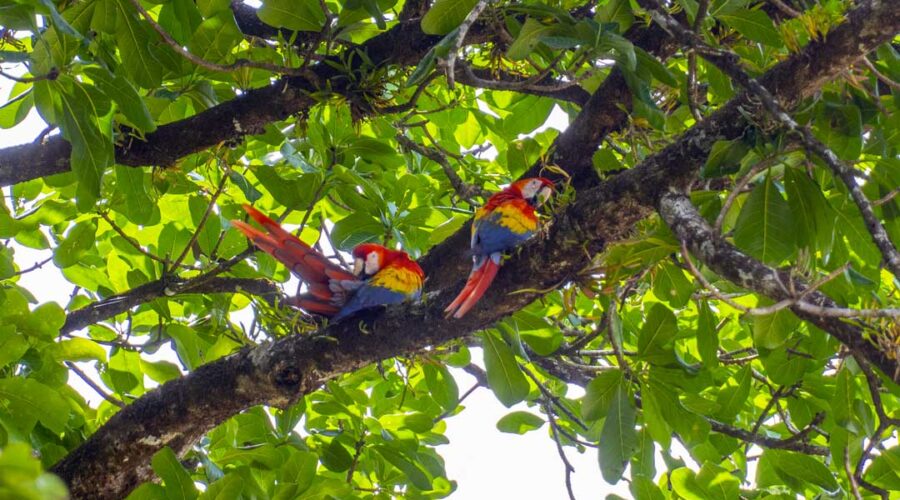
(504, 375)
(765, 226)
(753, 24)
(445, 15)
(600, 393)
(298, 15)
(178, 483)
(28, 401)
(802, 467)
(120, 90)
(519, 422)
(659, 329)
(618, 437)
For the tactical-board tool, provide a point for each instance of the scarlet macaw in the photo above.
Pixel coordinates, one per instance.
(380, 275)
(505, 221)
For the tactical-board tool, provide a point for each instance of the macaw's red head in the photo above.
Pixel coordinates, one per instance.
(535, 190)
(369, 258)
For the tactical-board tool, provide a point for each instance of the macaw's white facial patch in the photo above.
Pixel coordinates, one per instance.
(373, 263)
(544, 195)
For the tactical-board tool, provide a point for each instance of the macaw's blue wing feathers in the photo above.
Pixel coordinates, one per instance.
(369, 296)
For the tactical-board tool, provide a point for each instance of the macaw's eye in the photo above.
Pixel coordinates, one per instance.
(358, 266)
(373, 263)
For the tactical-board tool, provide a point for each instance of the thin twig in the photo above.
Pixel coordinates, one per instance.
(559, 449)
(52, 75)
(461, 32)
(36, 265)
(463, 189)
(93, 385)
(785, 8)
(881, 76)
(105, 216)
(206, 214)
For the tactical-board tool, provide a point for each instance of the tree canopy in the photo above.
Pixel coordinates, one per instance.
(718, 268)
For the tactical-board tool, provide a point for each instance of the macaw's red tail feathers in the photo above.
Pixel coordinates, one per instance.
(311, 266)
(478, 283)
(314, 305)
(278, 233)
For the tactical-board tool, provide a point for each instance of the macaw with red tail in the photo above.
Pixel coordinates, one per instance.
(505, 221)
(380, 275)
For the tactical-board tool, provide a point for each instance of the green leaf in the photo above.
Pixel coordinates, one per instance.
(217, 36)
(441, 385)
(599, 394)
(718, 482)
(12, 345)
(177, 481)
(672, 286)
(297, 15)
(27, 401)
(618, 437)
(529, 36)
(651, 63)
(753, 24)
(802, 467)
(160, 371)
(644, 488)
(707, 336)
(839, 126)
(133, 196)
(765, 226)
(813, 214)
(121, 91)
(417, 475)
(616, 11)
(725, 158)
(423, 69)
(78, 349)
(884, 469)
(659, 329)
(336, 457)
(92, 148)
(137, 44)
(772, 330)
(842, 402)
(355, 229)
(504, 375)
(684, 482)
(445, 15)
(732, 398)
(519, 422)
(78, 240)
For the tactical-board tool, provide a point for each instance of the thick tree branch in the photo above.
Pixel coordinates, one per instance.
(546, 86)
(118, 304)
(729, 262)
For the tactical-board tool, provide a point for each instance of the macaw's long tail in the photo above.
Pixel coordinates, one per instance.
(310, 266)
(483, 273)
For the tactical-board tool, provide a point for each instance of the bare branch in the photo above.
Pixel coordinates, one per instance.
(463, 189)
(93, 385)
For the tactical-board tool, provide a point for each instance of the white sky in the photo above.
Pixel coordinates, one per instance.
(485, 462)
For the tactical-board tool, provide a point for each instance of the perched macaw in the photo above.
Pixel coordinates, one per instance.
(505, 221)
(380, 275)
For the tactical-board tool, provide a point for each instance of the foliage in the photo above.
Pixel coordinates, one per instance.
(764, 404)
